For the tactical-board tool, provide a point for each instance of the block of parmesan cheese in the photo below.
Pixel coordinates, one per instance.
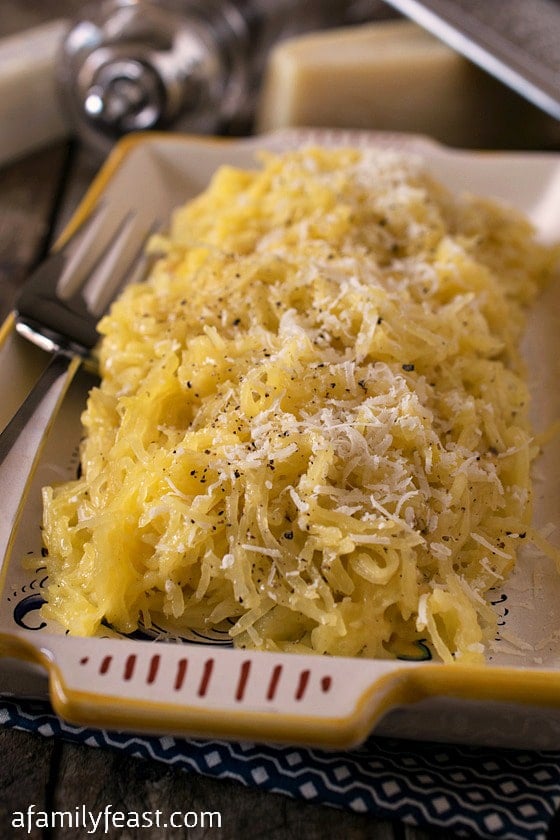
(395, 76)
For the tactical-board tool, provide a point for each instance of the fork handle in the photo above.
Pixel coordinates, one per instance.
(22, 440)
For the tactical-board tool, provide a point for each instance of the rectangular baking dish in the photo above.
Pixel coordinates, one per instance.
(204, 687)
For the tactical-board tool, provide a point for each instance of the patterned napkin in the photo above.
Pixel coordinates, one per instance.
(472, 791)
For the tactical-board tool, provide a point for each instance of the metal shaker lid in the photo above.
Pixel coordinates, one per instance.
(131, 65)
(125, 95)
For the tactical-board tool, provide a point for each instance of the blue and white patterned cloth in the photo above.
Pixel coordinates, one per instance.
(472, 791)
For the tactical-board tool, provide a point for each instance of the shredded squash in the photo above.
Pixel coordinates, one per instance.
(312, 419)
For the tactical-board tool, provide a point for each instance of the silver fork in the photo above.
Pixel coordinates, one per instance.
(58, 309)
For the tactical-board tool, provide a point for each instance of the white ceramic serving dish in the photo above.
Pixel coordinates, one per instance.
(202, 687)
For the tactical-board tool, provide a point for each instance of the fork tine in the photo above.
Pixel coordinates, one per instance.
(119, 266)
(112, 261)
(80, 253)
(143, 261)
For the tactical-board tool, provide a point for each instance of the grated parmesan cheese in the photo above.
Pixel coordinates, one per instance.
(312, 419)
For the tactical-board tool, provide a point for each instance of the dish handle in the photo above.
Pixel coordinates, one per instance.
(208, 691)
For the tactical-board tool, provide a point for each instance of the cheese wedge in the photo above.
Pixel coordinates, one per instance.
(395, 76)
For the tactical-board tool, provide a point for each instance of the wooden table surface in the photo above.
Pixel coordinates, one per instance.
(37, 196)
